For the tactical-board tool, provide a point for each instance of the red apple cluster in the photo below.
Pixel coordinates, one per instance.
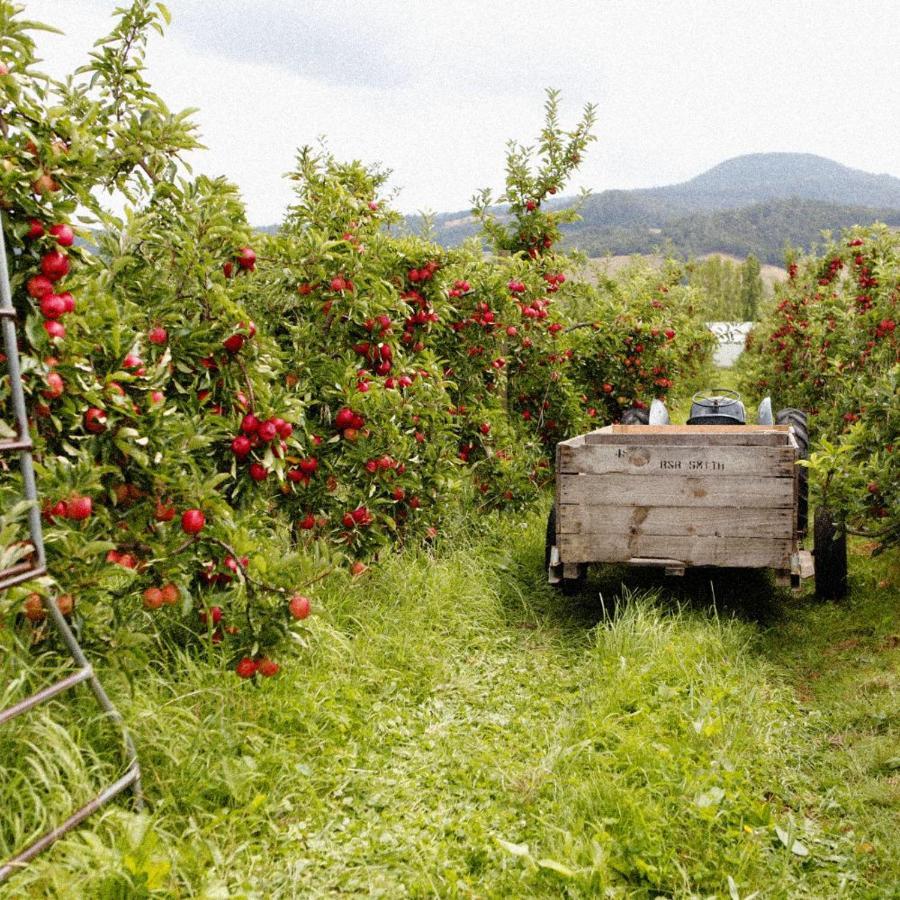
(123, 558)
(425, 273)
(248, 667)
(246, 260)
(54, 267)
(348, 423)
(222, 571)
(76, 508)
(256, 434)
(155, 597)
(359, 517)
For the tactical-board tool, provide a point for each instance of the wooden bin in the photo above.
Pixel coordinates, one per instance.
(677, 496)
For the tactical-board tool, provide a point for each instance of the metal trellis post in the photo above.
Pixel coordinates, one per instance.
(34, 567)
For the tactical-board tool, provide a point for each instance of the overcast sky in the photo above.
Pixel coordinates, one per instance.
(433, 89)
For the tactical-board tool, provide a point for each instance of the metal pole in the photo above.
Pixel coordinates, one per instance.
(29, 853)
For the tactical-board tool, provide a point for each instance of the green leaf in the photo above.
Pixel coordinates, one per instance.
(514, 849)
(557, 867)
(795, 846)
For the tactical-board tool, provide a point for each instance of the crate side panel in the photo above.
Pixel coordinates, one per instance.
(692, 550)
(733, 491)
(664, 460)
(709, 521)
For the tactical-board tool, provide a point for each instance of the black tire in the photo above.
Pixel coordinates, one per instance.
(635, 416)
(567, 586)
(830, 552)
(797, 418)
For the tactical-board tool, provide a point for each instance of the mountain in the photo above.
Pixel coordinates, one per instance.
(750, 204)
(758, 177)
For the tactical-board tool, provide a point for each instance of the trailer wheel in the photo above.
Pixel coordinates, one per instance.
(797, 418)
(567, 586)
(635, 416)
(830, 552)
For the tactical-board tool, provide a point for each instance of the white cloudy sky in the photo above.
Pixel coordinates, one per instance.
(434, 88)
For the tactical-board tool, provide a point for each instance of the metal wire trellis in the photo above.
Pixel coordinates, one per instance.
(34, 567)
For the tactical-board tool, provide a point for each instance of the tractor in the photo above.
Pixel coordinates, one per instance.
(715, 492)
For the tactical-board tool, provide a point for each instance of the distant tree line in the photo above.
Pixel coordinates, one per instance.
(763, 230)
(732, 291)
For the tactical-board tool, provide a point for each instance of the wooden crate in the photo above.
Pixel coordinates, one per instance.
(679, 495)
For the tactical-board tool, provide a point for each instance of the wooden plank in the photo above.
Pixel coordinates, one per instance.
(638, 459)
(676, 520)
(572, 442)
(690, 550)
(733, 491)
(694, 436)
(693, 429)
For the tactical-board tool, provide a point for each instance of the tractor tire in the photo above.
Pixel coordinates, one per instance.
(567, 586)
(797, 418)
(635, 416)
(830, 553)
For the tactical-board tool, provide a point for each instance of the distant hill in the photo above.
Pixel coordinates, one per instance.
(763, 229)
(750, 204)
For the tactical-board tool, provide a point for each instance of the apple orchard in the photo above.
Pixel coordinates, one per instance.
(224, 419)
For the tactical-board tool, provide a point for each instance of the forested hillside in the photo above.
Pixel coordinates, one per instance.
(755, 204)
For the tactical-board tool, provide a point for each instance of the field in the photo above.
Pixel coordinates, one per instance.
(451, 727)
(612, 265)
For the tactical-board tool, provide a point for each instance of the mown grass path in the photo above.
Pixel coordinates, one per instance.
(450, 727)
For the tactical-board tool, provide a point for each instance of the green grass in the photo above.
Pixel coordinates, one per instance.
(448, 726)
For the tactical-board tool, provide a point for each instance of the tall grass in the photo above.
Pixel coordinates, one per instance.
(448, 726)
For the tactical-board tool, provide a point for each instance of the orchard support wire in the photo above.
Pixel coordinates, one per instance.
(34, 567)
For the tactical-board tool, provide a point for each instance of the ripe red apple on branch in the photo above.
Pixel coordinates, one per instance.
(192, 521)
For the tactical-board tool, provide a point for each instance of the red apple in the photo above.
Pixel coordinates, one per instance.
(54, 329)
(214, 614)
(267, 668)
(164, 512)
(192, 521)
(39, 286)
(267, 431)
(95, 420)
(33, 608)
(79, 508)
(54, 265)
(246, 668)
(234, 343)
(55, 386)
(157, 335)
(52, 306)
(246, 259)
(64, 235)
(153, 598)
(345, 418)
(240, 446)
